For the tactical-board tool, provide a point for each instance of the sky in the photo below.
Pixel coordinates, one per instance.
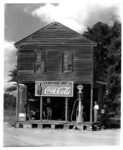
(23, 19)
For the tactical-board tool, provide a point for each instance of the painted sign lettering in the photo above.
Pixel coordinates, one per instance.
(54, 88)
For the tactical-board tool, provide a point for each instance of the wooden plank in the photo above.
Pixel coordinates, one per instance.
(25, 48)
(66, 109)
(17, 103)
(82, 78)
(17, 96)
(91, 104)
(41, 107)
(92, 86)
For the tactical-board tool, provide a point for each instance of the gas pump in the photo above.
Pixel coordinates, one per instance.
(80, 106)
(79, 117)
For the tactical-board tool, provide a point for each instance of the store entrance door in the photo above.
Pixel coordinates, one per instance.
(53, 108)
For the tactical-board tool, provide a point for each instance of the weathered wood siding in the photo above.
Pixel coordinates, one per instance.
(55, 39)
(26, 60)
(54, 34)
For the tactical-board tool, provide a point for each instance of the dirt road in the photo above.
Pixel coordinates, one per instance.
(15, 137)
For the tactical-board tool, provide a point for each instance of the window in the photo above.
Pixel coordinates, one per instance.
(67, 62)
(40, 62)
(43, 61)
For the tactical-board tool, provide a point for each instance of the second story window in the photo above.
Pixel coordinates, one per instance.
(67, 62)
(40, 62)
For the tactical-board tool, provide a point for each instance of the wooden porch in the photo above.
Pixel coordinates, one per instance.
(53, 124)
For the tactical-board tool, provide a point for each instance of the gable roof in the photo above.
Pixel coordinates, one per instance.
(55, 33)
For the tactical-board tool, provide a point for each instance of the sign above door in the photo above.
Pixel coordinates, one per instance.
(54, 88)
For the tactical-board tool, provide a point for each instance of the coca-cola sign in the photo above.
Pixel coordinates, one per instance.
(54, 88)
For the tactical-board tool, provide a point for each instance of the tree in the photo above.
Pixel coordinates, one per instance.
(107, 61)
(99, 33)
(114, 70)
(13, 75)
(9, 96)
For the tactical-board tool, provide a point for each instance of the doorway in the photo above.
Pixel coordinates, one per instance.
(53, 108)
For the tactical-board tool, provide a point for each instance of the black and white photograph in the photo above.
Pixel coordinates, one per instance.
(62, 73)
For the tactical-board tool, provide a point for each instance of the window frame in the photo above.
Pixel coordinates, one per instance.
(68, 61)
(38, 62)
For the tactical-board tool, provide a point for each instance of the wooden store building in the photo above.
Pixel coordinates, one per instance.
(51, 63)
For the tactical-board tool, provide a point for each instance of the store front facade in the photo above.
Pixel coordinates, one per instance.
(52, 62)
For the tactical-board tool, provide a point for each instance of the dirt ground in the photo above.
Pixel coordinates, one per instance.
(21, 137)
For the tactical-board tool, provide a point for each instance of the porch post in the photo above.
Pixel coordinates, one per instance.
(91, 104)
(17, 103)
(17, 96)
(41, 108)
(66, 109)
(100, 95)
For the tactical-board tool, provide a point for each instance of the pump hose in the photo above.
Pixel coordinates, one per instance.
(73, 110)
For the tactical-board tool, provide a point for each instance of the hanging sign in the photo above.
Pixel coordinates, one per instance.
(54, 88)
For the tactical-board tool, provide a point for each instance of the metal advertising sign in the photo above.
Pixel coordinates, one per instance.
(54, 88)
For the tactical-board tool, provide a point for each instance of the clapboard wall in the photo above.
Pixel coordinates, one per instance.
(55, 39)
